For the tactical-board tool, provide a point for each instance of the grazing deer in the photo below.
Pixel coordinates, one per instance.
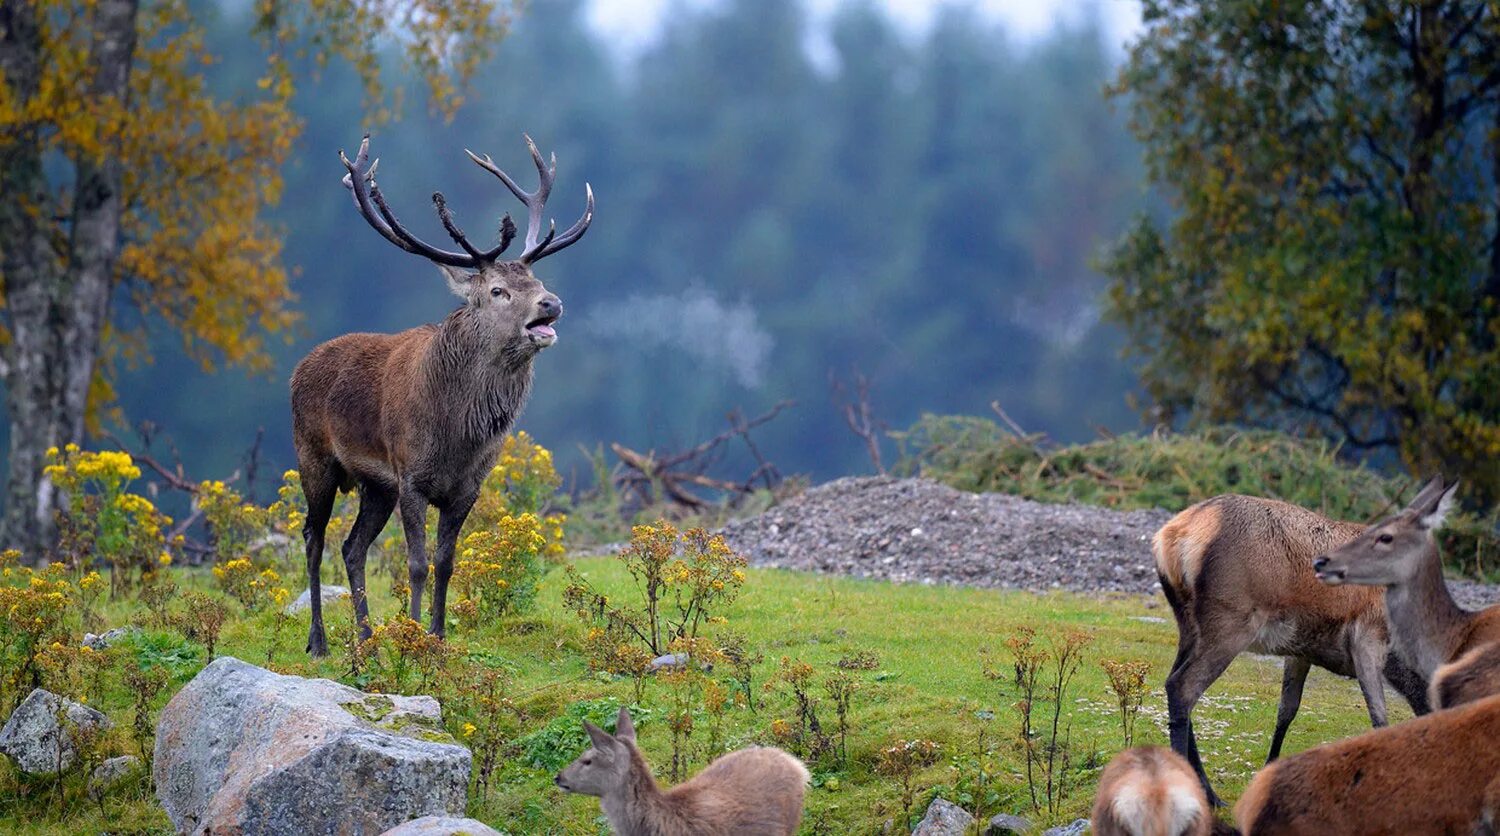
(1434, 774)
(1151, 791)
(1237, 571)
(1428, 628)
(417, 418)
(754, 792)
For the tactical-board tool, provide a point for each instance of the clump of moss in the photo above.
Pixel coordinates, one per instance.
(1174, 470)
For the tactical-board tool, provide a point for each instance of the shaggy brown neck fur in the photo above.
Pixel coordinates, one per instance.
(484, 388)
(1425, 620)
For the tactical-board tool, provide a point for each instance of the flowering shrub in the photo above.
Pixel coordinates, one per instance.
(35, 605)
(497, 569)
(234, 523)
(255, 589)
(522, 481)
(682, 580)
(400, 657)
(102, 518)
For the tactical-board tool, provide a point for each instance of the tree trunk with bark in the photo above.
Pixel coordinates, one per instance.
(56, 277)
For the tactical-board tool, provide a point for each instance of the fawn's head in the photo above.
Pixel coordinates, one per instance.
(503, 301)
(606, 764)
(1391, 551)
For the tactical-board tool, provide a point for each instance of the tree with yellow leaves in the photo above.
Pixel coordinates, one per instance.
(126, 183)
(1333, 264)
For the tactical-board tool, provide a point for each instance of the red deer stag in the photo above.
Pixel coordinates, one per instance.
(756, 791)
(1458, 650)
(417, 418)
(1238, 573)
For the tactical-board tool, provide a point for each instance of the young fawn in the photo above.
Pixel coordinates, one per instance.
(1237, 571)
(1151, 791)
(1434, 774)
(1457, 650)
(756, 791)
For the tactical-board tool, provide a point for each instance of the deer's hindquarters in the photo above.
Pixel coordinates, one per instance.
(1471, 677)
(1432, 774)
(1150, 791)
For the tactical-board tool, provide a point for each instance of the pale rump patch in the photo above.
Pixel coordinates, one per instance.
(1184, 807)
(1179, 546)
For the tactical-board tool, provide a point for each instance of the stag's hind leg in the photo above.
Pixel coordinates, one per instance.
(376, 502)
(320, 484)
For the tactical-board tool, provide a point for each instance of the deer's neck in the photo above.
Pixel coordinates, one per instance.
(1426, 623)
(638, 807)
(479, 391)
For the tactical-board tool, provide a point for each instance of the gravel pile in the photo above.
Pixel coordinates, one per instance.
(917, 530)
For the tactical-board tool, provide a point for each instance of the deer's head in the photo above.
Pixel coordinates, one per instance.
(606, 764)
(1393, 550)
(503, 300)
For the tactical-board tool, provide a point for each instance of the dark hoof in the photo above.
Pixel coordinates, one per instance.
(317, 647)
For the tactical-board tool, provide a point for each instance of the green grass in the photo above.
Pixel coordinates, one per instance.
(928, 685)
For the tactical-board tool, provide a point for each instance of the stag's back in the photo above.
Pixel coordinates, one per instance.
(341, 392)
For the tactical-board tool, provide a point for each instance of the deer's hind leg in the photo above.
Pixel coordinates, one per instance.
(1293, 677)
(376, 502)
(1215, 643)
(320, 485)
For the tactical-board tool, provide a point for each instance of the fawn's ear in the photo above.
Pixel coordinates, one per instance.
(599, 736)
(1438, 507)
(624, 728)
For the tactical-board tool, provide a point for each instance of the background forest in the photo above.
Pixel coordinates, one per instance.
(922, 208)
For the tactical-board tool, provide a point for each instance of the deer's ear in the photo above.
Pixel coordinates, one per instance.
(1438, 507)
(624, 728)
(460, 280)
(599, 736)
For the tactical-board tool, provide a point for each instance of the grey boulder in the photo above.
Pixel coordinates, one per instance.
(442, 826)
(944, 818)
(36, 742)
(1077, 828)
(100, 641)
(247, 751)
(1007, 823)
(328, 592)
(112, 772)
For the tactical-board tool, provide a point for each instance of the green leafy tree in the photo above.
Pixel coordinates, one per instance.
(132, 189)
(1333, 261)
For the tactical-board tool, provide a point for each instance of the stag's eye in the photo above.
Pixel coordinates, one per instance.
(1384, 539)
(499, 293)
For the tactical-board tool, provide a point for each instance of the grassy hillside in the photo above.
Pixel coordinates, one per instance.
(926, 683)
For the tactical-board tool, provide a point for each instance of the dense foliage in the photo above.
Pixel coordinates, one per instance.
(1333, 263)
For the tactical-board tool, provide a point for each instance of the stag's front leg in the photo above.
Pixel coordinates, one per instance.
(450, 522)
(414, 524)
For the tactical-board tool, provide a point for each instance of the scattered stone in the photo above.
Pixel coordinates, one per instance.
(668, 662)
(243, 749)
(1006, 823)
(944, 818)
(442, 826)
(112, 772)
(108, 637)
(329, 594)
(32, 736)
(1077, 828)
(1148, 619)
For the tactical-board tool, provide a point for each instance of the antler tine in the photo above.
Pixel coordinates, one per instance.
(453, 231)
(575, 231)
(507, 232)
(371, 204)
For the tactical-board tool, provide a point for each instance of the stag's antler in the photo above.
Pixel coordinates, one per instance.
(371, 204)
(535, 201)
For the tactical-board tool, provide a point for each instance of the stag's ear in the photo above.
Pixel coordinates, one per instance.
(460, 280)
(1438, 507)
(624, 728)
(599, 736)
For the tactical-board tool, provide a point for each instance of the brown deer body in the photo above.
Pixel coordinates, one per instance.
(1151, 791)
(1434, 774)
(417, 418)
(752, 792)
(1429, 630)
(1237, 571)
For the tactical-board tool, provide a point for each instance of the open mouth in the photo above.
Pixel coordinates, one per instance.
(541, 328)
(1331, 576)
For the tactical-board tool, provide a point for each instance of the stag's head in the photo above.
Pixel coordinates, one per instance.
(503, 300)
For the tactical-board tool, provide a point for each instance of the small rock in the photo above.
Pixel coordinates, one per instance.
(1077, 828)
(112, 772)
(670, 661)
(944, 818)
(442, 826)
(328, 592)
(107, 638)
(1006, 823)
(1148, 619)
(32, 738)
